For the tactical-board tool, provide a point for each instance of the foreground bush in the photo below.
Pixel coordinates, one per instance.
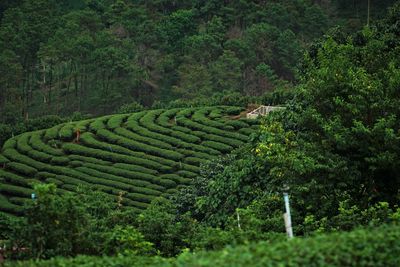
(364, 247)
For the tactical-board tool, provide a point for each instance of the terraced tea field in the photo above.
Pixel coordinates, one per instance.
(142, 155)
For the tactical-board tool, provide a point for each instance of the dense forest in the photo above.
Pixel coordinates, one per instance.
(175, 174)
(59, 57)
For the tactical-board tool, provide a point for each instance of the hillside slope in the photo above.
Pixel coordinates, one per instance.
(138, 156)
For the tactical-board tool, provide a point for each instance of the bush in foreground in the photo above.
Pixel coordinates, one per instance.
(363, 247)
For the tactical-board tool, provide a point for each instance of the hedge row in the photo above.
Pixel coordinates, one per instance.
(83, 125)
(14, 190)
(247, 131)
(99, 123)
(114, 157)
(194, 161)
(134, 178)
(183, 120)
(22, 168)
(148, 121)
(89, 160)
(237, 124)
(13, 178)
(3, 160)
(116, 121)
(219, 146)
(111, 181)
(136, 137)
(187, 174)
(10, 143)
(223, 140)
(141, 197)
(6, 206)
(176, 178)
(200, 117)
(15, 156)
(52, 133)
(195, 154)
(135, 168)
(137, 146)
(134, 126)
(37, 143)
(67, 132)
(89, 140)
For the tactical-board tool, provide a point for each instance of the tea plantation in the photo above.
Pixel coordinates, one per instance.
(134, 157)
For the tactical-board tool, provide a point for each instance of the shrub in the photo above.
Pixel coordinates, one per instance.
(13, 178)
(133, 145)
(147, 140)
(52, 133)
(223, 140)
(194, 161)
(3, 160)
(130, 108)
(127, 241)
(37, 143)
(63, 161)
(89, 159)
(67, 132)
(10, 143)
(22, 168)
(218, 146)
(135, 168)
(114, 157)
(116, 121)
(15, 190)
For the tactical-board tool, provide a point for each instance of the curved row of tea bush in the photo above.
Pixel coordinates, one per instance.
(142, 155)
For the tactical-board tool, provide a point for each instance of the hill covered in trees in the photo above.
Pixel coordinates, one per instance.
(59, 57)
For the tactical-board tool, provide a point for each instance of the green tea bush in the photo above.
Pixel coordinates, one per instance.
(10, 143)
(37, 143)
(176, 178)
(15, 190)
(67, 132)
(116, 121)
(181, 120)
(141, 197)
(22, 143)
(134, 178)
(135, 168)
(13, 178)
(136, 146)
(113, 157)
(14, 155)
(44, 175)
(52, 133)
(219, 146)
(39, 156)
(200, 116)
(22, 168)
(89, 160)
(224, 140)
(237, 124)
(10, 208)
(83, 125)
(63, 161)
(147, 140)
(187, 174)
(58, 183)
(247, 131)
(194, 161)
(3, 160)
